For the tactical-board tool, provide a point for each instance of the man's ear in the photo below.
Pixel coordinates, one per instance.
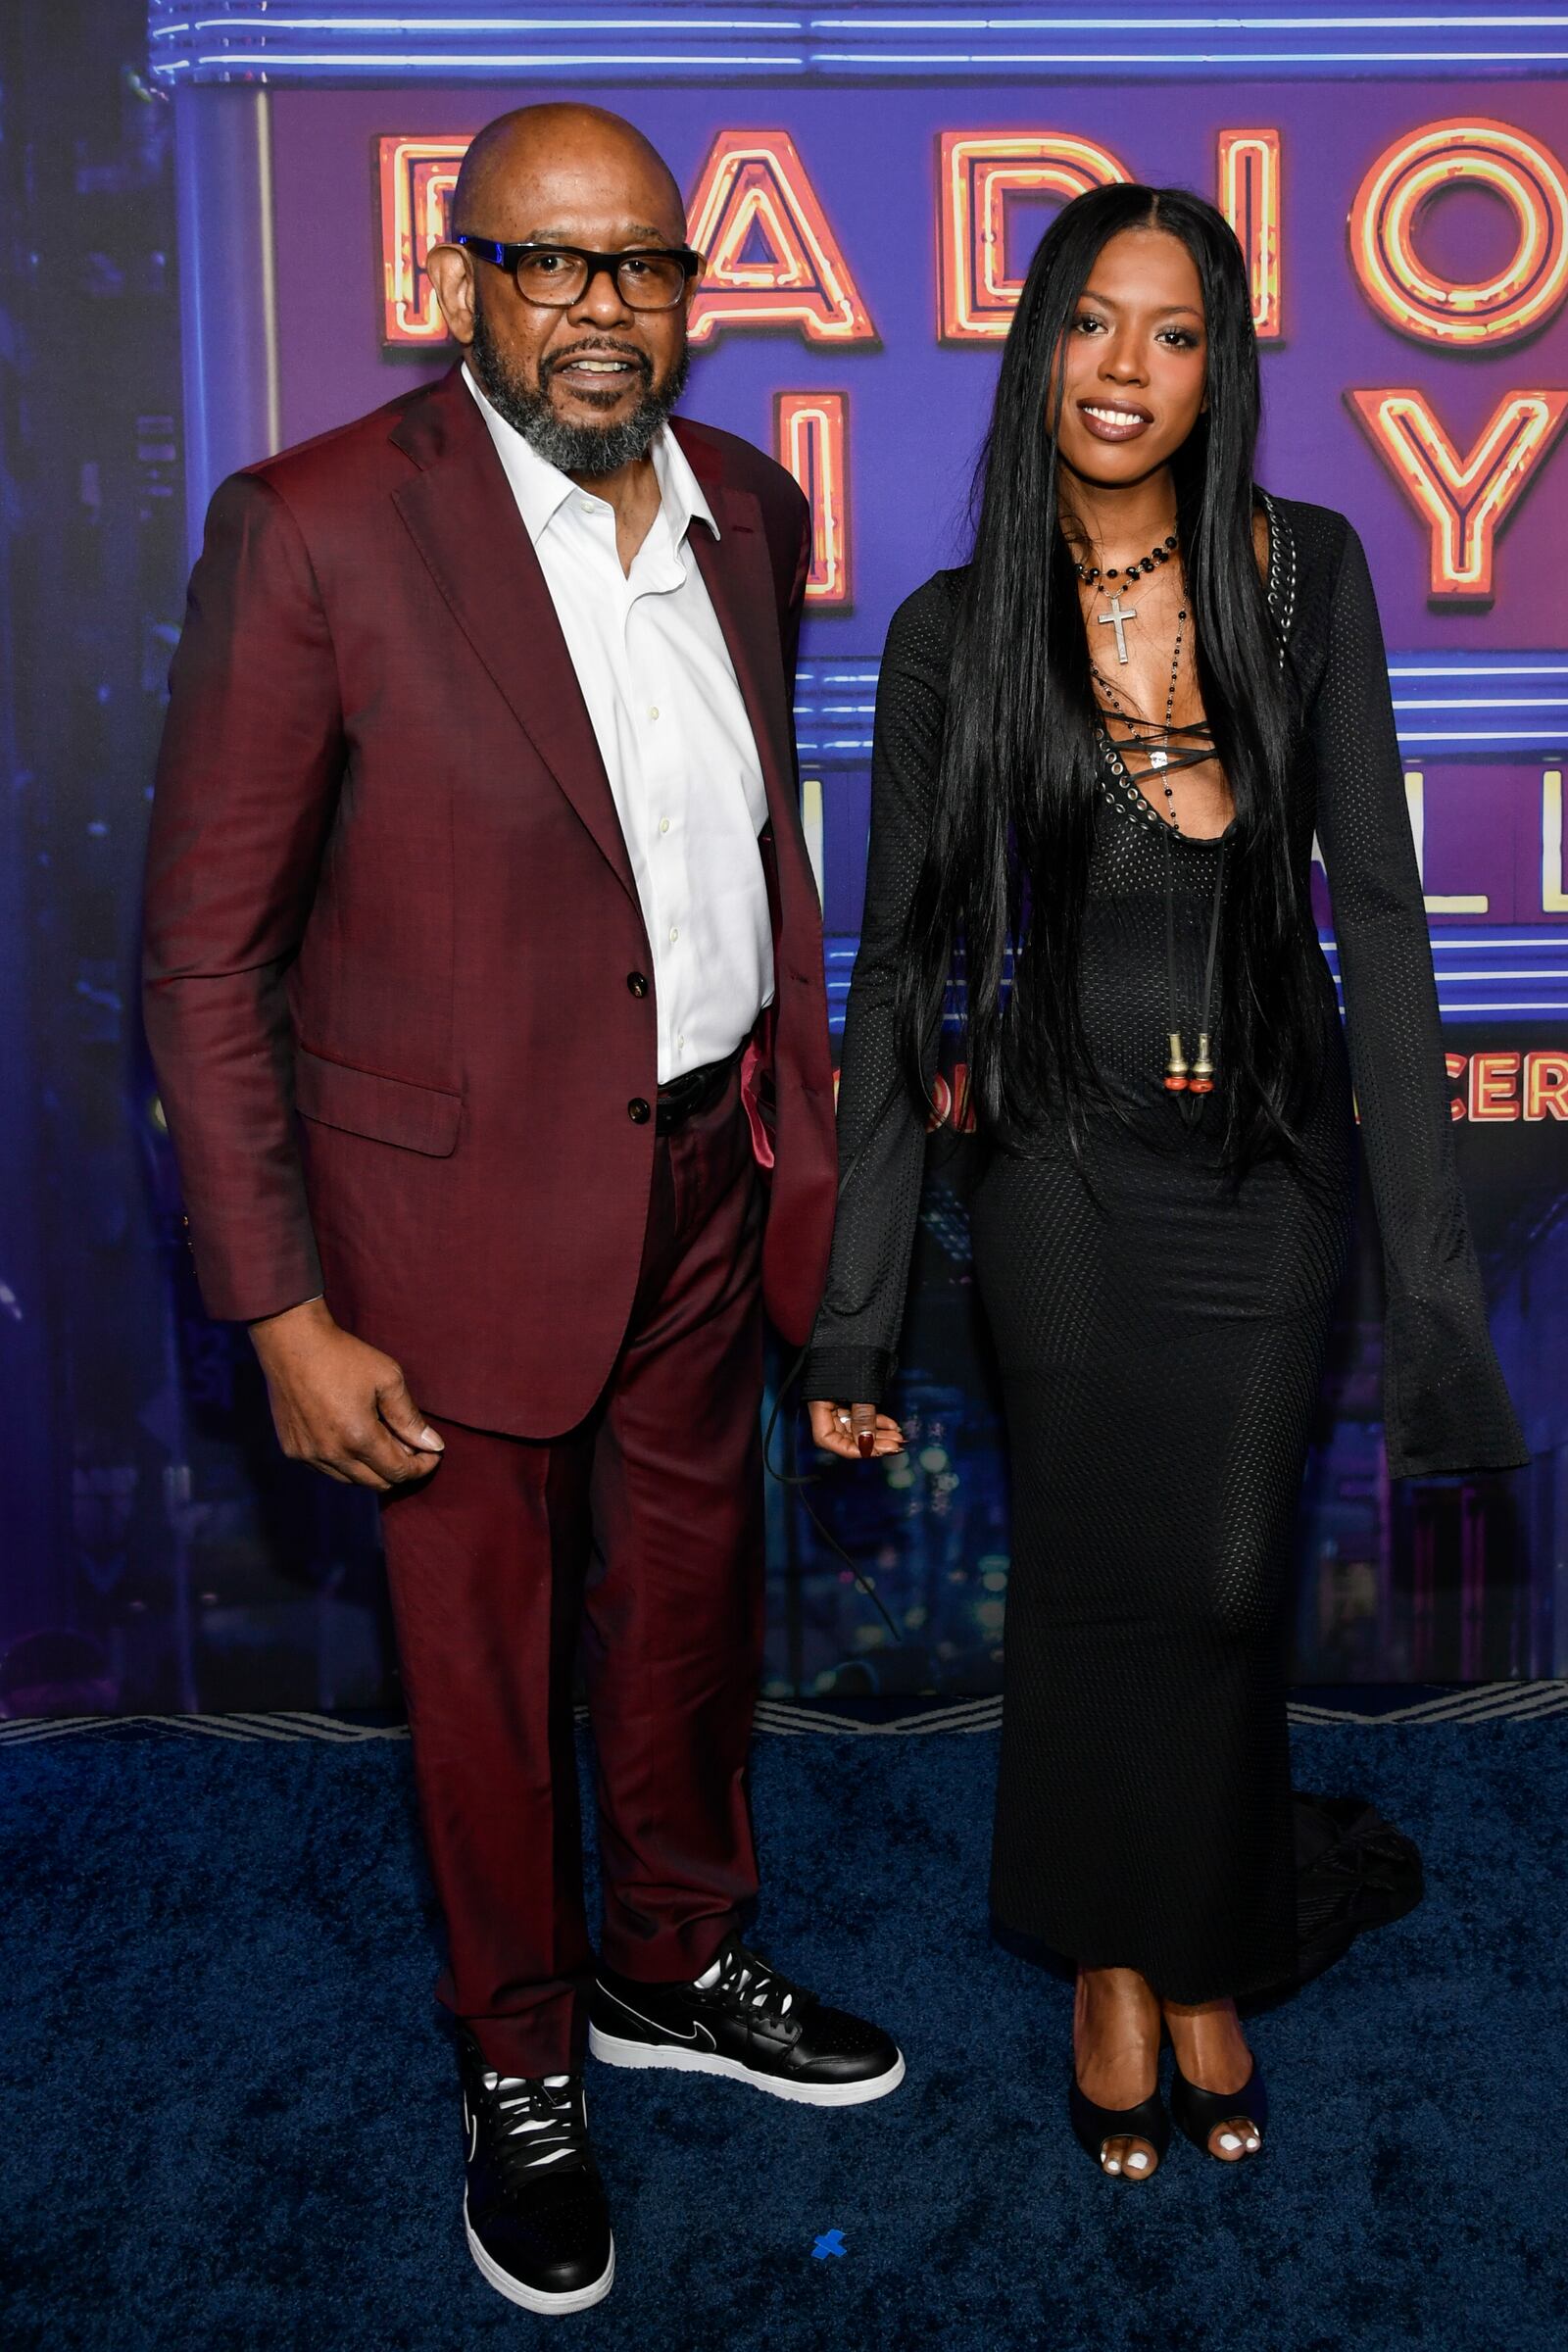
(452, 275)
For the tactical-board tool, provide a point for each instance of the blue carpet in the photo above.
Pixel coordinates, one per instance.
(231, 2118)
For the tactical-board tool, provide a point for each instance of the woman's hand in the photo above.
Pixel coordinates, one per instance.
(857, 1432)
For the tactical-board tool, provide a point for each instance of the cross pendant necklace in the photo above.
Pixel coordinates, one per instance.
(1118, 618)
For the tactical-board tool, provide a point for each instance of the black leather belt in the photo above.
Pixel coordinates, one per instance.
(681, 1099)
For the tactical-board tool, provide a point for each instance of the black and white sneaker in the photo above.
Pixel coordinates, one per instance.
(535, 2207)
(744, 2020)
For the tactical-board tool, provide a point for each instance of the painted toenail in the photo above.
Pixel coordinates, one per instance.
(1112, 2165)
(1137, 2164)
(1228, 2139)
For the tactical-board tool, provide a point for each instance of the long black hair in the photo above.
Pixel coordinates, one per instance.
(1006, 869)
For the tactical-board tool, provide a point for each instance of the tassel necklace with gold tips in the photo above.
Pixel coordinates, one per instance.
(1168, 747)
(1181, 1076)
(1177, 1067)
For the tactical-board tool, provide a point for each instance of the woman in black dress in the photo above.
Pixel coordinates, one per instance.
(1103, 749)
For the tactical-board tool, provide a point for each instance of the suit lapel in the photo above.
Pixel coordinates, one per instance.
(739, 580)
(462, 515)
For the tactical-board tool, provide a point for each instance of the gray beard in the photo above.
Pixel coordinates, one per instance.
(576, 449)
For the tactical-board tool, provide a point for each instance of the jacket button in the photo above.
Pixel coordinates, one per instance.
(638, 1112)
(637, 983)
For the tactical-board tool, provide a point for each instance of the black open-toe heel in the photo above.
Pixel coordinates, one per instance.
(1197, 2113)
(1093, 2126)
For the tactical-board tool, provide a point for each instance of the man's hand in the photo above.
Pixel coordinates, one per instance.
(341, 1406)
(857, 1432)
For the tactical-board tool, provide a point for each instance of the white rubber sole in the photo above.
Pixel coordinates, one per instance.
(614, 2051)
(533, 2298)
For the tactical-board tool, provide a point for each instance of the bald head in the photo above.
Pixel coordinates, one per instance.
(539, 154)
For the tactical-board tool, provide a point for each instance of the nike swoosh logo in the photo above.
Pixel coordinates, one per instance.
(471, 2125)
(666, 2032)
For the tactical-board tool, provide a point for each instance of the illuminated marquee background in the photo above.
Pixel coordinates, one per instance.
(867, 188)
(1409, 261)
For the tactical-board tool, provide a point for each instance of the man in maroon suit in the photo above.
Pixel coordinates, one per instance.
(484, 983)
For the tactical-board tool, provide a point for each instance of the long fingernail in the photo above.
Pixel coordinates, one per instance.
(865, 1438)
(427, 1436)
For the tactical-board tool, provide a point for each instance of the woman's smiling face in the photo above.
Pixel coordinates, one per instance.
(1134, 359)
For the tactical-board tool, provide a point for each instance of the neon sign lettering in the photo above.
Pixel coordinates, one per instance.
(1404, 180)
(772, 259)
(1462, 498)
(417, 178)
(1248, 175)
(977, 172)
(1500, 1088)
(810, 439)
(1553, 870)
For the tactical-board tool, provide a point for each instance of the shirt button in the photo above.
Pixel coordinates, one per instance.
(638, 1112)
(664, 824)
(652, 709)
(637, 983)
(674, 931)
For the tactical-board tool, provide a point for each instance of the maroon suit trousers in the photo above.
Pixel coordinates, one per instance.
(638, 1537)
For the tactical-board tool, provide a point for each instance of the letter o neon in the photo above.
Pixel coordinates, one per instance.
(1406, 176)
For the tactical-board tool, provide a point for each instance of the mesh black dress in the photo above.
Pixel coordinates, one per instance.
(1161, 1331)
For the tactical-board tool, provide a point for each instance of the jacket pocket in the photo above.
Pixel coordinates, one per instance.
(390, 1110)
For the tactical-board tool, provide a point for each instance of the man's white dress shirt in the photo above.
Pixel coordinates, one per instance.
(672, 731)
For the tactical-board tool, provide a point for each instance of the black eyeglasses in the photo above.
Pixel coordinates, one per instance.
(557, 275)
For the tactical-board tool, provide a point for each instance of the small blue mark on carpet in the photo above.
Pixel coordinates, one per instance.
(831, 2241)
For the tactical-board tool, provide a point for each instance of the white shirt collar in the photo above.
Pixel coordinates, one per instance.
(541, 489)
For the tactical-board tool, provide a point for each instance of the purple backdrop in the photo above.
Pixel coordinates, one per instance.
(161, 1554)
(1457, 1580)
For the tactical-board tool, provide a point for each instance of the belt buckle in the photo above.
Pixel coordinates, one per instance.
(680, 1099)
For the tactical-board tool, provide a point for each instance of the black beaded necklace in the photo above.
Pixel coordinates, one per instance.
(1089, 573)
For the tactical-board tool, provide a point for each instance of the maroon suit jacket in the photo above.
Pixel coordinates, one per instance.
(393, 944)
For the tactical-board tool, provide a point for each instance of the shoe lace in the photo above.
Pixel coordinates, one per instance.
(749, 1981)
(539, 2123)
